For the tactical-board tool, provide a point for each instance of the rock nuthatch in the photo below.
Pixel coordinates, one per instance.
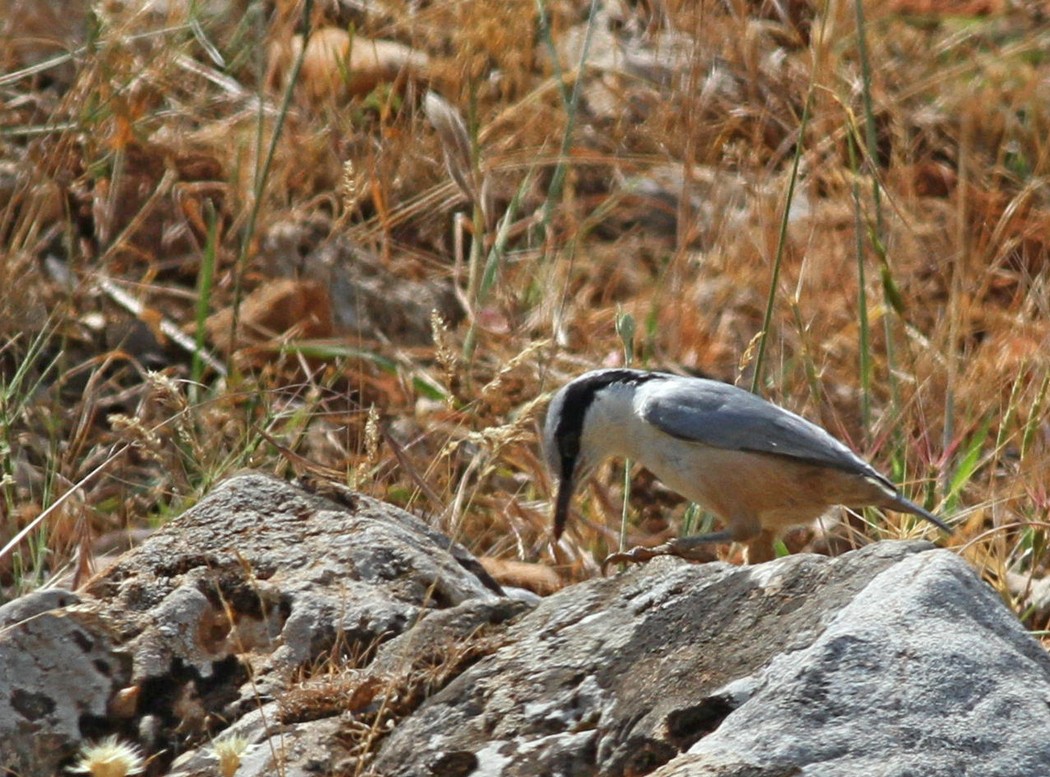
(758, 467)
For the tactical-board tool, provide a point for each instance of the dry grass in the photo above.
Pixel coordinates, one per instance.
(136, 166)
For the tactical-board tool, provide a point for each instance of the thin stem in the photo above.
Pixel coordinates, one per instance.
(767, 319)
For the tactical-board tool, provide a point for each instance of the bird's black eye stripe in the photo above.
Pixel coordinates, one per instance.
(577, 398)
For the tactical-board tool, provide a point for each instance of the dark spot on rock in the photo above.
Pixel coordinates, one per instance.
(472, 565)
(330, 490)
(232, 589)
(356, 644)
(160, 694)
(263, 570)
(687, 725)
(103, 667)
(94, 727)
(84, 642)
(31, 706)
(457, 763)
(181, 564)
(439, 598)
(213, 629)
(644, 755)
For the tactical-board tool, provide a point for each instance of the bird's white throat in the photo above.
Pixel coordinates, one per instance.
(612, 426)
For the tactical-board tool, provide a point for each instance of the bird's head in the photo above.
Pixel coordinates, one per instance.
(562, 446)
(573, 434)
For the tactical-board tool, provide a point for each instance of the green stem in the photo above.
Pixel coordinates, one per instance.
(767, 320)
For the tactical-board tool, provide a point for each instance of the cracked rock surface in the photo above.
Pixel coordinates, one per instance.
(338, 635)
(891, 660)
(221, 611)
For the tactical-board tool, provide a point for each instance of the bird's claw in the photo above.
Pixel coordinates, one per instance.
(689, 548)
(636, 555)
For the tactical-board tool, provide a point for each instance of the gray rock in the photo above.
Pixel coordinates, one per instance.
(924, 672)
(321, 720)
(894, 659)
(35, 603)
(261, 567)
(307, 748)
(59, 669)
(256, 588)
(333, 634)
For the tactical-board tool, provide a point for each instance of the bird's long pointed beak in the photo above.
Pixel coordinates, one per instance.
(923, 513)
(908, 506)
(561, 508)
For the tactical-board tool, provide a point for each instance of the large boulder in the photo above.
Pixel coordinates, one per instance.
(259, 587)
(327, 633)
(891, 660)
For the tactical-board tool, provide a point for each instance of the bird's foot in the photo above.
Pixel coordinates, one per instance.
(638, 555)
(696, 548)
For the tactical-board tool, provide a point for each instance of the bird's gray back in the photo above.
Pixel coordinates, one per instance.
(724, 416)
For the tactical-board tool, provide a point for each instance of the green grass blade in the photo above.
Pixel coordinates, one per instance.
(865, 365)
(968, 464)
(774, 282)
(263, 173)
(571, 101)
(625, 329)
(205, 277)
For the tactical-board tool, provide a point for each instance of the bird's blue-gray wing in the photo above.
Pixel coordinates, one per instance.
(724, 416)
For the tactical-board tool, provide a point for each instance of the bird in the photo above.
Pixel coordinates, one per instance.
(758, 467)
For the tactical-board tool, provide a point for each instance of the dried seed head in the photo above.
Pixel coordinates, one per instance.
(109, 758)
(496, 384)
(372, 437)
(444, 352)
(749, 354)
(145, 440)
(455, 141)
(166, 391)
(229, 750)
(457, 148)
(351, 187)
(518, 429)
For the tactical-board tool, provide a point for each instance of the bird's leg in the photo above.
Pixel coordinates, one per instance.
(760, 548)
(683, 547)
(746, 529)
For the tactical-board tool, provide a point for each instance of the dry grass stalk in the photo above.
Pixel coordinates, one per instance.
(461, 161)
